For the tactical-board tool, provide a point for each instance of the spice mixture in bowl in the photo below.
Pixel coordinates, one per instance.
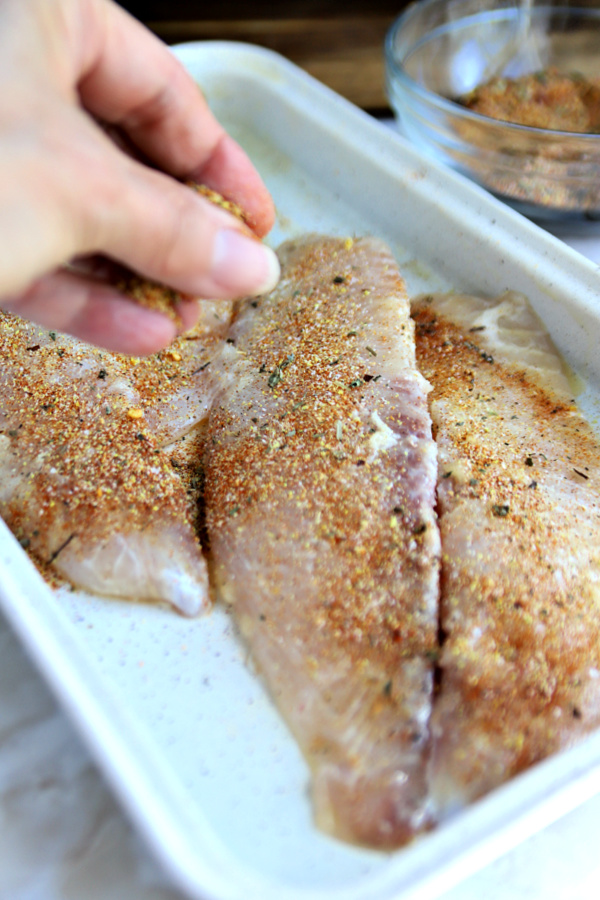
(507, 94)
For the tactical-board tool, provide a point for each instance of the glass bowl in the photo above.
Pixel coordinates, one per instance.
(437, 51)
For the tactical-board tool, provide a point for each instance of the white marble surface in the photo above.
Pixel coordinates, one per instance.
(63, 836)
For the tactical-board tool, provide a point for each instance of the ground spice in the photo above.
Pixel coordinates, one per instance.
(547, 99)
(551, 168)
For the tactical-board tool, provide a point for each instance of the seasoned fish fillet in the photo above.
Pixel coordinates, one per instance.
(178, 384)
(519, 505)
(84, 483)
(320, 482)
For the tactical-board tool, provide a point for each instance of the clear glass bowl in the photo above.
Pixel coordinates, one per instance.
(439, 50)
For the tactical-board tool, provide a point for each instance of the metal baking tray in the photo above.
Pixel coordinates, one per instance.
(169, 707)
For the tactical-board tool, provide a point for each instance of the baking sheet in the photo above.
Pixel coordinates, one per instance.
(168, 706)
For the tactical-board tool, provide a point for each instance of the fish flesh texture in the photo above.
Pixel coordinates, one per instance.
(519, 508)
(320, 488)
(87, 445)
(178, 384)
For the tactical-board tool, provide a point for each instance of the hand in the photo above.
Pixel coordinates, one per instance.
(67, 190)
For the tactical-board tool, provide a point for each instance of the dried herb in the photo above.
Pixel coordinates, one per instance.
(583, 475)
(275, 377)
(201, 368)
(61, 548)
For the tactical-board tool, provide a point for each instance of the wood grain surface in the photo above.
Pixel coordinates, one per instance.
(340, 44)
(345, 53)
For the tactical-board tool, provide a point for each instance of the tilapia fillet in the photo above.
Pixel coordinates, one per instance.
(320, 487)
(87, 480)
(519, 505)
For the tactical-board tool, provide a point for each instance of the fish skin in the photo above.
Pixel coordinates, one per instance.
(320, 480)
(520, 528)
(85, 485)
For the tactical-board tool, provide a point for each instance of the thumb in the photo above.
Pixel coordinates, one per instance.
(169, 233)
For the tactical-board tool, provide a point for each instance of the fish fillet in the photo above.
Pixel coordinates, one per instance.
(519, 506)
(177, 385)
(87, 481)
(320, 486)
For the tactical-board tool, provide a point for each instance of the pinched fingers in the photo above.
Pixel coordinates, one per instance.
(81, 196)
(68, 190)
(163, 230)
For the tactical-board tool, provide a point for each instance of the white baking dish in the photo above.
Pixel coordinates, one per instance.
(168, 706)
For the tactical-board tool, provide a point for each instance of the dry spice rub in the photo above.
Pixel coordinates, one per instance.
(545, 167)
(320, 478)
(519, 505)
(547, 99)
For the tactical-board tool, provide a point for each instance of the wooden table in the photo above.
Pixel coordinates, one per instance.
(341, 44)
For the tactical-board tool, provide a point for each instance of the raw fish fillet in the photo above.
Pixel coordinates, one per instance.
(84, 482)
(178, 384)
(519, 506)
(320, 490)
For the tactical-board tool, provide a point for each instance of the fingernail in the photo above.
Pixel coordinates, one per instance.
(242, 265)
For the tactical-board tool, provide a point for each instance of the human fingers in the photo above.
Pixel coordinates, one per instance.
(97, 313)
(128, 78)
(82, 195)
(169, 233)
(226, 171)
(67, 191)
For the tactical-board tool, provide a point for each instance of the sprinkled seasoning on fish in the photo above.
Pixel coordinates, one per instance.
(179, 383)
(519, 505)
(85, 485)
(320, 481)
